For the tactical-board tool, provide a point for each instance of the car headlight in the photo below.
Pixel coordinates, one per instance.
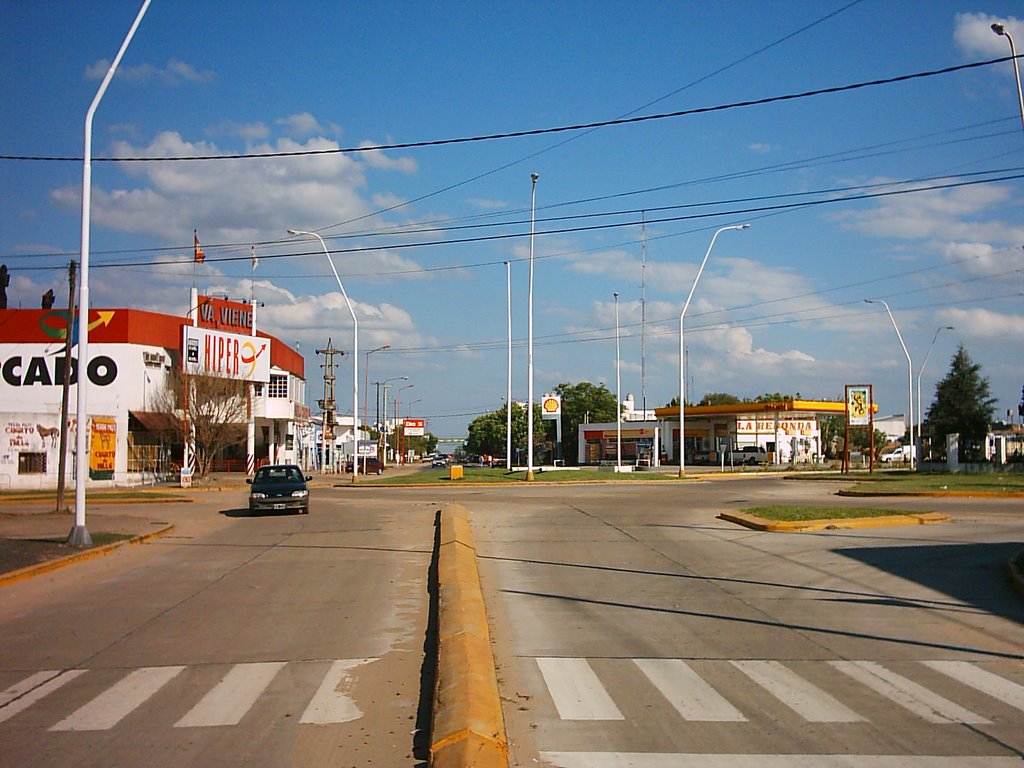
(299, 494)
(257, 495)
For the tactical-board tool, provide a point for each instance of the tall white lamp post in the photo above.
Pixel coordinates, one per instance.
(682, 350)
(508, 394)
(529, 334)
(79, 535)
(1000, 29)
(910, 380)
(355, 353)
(618, 392)
(920, 373)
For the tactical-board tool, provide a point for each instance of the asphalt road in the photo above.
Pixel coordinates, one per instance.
(631, 627)
(636, 629)
(236, 641)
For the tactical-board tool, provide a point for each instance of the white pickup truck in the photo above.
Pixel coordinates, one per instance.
(749, 454)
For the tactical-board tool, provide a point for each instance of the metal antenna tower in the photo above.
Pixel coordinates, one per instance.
(327, 404)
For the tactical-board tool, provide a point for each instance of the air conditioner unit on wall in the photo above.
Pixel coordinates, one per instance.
(153, 359)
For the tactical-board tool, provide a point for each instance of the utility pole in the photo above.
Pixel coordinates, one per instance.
(68, 334)
(327, 405)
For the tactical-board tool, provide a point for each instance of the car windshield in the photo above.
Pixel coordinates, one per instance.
(279, 475)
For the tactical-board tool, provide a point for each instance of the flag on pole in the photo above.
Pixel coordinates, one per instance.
(200, 257)
(255, 261)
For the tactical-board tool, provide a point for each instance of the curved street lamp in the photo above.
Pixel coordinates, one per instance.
(682, 350)
(355, 352)
(529, 334)
(618, 392)
(1000, 29)
(920, 373)
(910, 380)
(366, 381)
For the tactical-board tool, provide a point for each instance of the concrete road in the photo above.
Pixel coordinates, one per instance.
(236, 641)
(633, 628)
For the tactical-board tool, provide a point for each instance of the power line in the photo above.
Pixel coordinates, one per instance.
(538, 131)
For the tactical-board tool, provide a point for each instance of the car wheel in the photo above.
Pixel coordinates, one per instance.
(380, 471)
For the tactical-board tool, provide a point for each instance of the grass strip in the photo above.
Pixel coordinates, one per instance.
(499, 475)
(792, 513)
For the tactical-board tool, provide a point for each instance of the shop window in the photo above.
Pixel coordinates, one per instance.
(31, 463)
(257, 389)
(278, 386)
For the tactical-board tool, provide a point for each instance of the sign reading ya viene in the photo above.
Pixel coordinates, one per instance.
(225, 355)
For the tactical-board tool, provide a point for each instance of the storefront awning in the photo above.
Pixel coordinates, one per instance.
(152, 421)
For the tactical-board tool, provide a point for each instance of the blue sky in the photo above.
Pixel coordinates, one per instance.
(779, 306)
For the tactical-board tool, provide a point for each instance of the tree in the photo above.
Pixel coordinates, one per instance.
(718, 398)
(583, 402)
(217, 413)
(487, 432)
(963, 404)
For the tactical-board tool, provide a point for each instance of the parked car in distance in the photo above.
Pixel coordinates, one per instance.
(902, 453)
(279, 487)
(750, 454)
(368, 465)
(439, 461)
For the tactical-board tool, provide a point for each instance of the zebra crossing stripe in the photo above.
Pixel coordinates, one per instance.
(23, 695)
(330, 705)
(576, 691)
(804, 698)
(232, 697)
(668, 760)
(111, 706)
(982, 680)
(691, 696)
(908, 694)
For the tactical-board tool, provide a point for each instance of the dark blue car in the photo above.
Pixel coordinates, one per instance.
(279, 487)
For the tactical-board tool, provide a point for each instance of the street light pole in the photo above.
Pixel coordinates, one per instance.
(366, 381)
(618, 392)
(508, 394)
(529, 334)
(920, 373)
(383, 426)
(399, 458)
(682, 350)
(79, 535)
(355, 352)
(910, 379)
(1000, 29)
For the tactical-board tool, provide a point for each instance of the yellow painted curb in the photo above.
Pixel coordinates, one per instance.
(790, 526)
(468, 729)
(29, 571)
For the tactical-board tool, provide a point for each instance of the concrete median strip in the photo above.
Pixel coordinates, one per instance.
(468, 728)
(760, 524)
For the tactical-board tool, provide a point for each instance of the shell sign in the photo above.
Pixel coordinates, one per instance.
(551, 406)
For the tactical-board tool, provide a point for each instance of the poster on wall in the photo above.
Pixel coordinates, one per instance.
(102, 447)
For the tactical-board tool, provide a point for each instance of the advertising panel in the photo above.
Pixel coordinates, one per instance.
(551, 406)
(226, 355)
(414, 427)
(225, 315)
(102, 447)
(858, 406)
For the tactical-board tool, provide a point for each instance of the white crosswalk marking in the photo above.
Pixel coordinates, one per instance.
(982, 680)
(807, 700)
(908, 694)
(666, 760)
(692, 697)
(232, 697)
(110, 707)
(23, 695)
(330, 705)
(576, 691)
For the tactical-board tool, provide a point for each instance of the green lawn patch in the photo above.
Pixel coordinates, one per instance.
(791, 513)
(942, 482)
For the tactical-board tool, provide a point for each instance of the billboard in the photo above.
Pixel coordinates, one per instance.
(414, 427)
(858, 406)
(225, 355)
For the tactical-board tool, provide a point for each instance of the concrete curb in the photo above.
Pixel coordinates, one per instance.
(936, 494)
(468, 729)
(29, 571)
(791, 526)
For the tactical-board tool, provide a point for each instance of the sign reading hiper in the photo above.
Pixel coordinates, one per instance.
(551, 406)
(226, 355)
(414, 427)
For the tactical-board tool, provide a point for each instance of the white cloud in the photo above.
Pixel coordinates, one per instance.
(303, 124)
(378, 159)
(174, 72)
(487, 205)
(973, 34)
(760, 148)
(985, 324)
